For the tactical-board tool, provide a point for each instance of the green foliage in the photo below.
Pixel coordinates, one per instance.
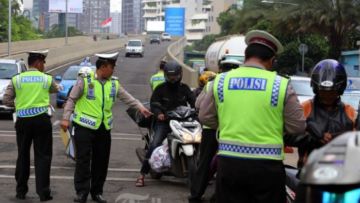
(21, 28)
(58, 31)
(203, 44)
(326, 26)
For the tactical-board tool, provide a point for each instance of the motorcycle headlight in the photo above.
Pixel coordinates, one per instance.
(198, 136)
(187, 137)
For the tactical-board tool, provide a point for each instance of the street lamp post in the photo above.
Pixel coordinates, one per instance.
(9, 31)
(278, 2)
(66, 22)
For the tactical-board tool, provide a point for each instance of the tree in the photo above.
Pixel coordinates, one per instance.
(57, 31)
(334, 19)
(21, 28)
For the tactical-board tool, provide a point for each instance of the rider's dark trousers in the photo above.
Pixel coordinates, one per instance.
(92, 159)
(250, 181)
(208, 149)
(161, 131)
(36, 129)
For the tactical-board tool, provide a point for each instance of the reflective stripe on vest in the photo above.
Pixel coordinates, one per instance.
(31, 111)
(250, 104)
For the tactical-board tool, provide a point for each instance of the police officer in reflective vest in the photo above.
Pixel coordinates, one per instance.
(91, 100)
(252, 107)
(158, 77)
(30, 92)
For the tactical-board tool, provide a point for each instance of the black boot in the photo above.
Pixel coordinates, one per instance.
(82, 198)
(99, 198)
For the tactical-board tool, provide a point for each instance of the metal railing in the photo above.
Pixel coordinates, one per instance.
(176, 52)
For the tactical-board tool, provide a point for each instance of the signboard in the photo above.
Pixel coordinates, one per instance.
(175, 21)
(58, 6)
(303, 48)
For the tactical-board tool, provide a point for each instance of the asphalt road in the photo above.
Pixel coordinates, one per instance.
(134, 74)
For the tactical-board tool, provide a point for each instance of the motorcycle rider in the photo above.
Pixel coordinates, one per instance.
(158, 77)
(326, 115)
(166, 97)
(203, 79)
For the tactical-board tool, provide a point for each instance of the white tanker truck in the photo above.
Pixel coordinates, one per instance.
(229, 47)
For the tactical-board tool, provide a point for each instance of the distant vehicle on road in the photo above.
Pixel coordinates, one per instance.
(134, 47)
(8, 68)
(154, 39)
(165, 37)
(67, 81)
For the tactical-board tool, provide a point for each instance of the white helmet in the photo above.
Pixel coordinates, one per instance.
(84, 71)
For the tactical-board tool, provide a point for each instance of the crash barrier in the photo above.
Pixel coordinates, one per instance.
(176, 52)
(74, 50)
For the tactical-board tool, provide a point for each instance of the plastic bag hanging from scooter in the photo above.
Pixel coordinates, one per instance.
(160, 158)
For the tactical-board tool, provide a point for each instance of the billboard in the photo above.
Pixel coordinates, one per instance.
(175, 21)
(58, 6)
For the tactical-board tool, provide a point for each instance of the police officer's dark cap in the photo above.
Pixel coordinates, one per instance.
(42, 54)
(264, 38)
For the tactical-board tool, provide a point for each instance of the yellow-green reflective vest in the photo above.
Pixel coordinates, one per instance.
(250, 103)
(157, 79)
(32, 93)
(95, 105)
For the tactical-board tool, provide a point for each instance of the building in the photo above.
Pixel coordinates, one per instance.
(217, 8)
(132, 21)
(94, 12)
(197, 27)
(116, 23)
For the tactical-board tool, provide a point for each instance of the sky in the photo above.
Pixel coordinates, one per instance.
(115, 5)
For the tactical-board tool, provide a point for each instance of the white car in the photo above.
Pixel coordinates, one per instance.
(8, 68)
(134, 47)
(165, 37)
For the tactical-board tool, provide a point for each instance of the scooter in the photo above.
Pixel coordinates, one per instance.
(183, 142)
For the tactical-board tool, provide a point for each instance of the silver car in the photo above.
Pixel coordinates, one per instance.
(8, 68)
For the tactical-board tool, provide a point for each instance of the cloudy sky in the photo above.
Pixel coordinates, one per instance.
(115, 5)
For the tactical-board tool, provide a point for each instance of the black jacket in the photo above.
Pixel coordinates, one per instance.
(171, 96)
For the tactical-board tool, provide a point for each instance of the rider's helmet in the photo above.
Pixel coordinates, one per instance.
(229, 64)
(84, 71)
(331, 173)
(205, 77)
(173, 72)
(329, 74)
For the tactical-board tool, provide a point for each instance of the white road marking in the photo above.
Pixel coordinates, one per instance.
(72, 168)
(72, 178)
(57, 132)
(57, 122)
(58, 136)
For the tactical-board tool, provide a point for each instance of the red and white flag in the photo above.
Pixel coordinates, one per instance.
(106, 23)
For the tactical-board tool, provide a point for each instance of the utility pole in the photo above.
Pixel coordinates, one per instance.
(9, 31)
(66, 22)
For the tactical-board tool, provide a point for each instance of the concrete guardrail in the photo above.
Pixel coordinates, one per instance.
(176, 52)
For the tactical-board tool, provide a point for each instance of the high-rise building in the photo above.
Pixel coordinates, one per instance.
(132, 21)
(116, 23)
(94, 12)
